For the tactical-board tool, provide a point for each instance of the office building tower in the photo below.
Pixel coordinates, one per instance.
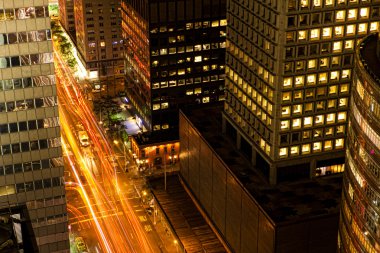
(358, 228)
(175, 56)
(32, 193)
(288, 77)
(66, 16)
(99, 43)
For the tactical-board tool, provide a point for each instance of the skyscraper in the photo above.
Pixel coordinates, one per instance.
(66, 16)
(175, 53)
(288, 77)
(32, 192)
(98, 40)
(358, 228)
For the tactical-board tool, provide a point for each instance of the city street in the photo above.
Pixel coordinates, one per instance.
(104, 203)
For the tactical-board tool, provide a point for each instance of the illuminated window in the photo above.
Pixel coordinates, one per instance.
(339, 143)
(198, 58)
(302, 35)
(328, 2)
(156, 106)
(197, 47)
(317, 3)
(286, 96)
(189, 92)
(299, 81)
(205, 99)
(322, 78)
(165, 126)
(333, 90)
(294, 150)
(320, 105)
(337, 46)
(340, 129)
(102, 44)
(172, 50)
(306, 149)
(326, 32)
(334, 75)
(331, 103)
(362, 28)
(287, 82)
(374, 26)
(297, 94)
(307, 121)
(344, 88)
(340, 15)
(339, 30)
(223, 22)
(328, 145)
(342, 116)
(181, 72)
(91, 44)
(163, 51)
(343, 102)
(323, 62)
(296, 124)
(297, 109)
(164, 84)
(329, 131)
(283, 152)
(319, 119)
(304, 3)
(284, 124)
(349, 44)
(285, 111)
(309, 94)
(364, 12)
(317, 133)
(215, 23)
(312, 64)
(317, 146)
(311, 79)
(314, 34)
(156, 85)
(306, 135)
(335, 60)
(346, 74)
(172, 83)
(330, 119)
(197, 90)
(352, 14)
(350, 30)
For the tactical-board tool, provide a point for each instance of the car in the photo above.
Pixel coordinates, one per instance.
(81, 246)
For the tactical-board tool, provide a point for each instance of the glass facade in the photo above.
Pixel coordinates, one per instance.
(175, 54)
(31, 165)
(288, 80)
(358, 228)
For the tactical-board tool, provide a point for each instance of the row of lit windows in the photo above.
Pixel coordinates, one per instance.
(365, 127)
(326, 33)
(20, 83)
(369, 100)
(30, 146)
(26, 104)
(310, 121)
(321, 78)
(318, 63)
(187, 49)
(28, 125)
(299, 109)
(300, 95)
(315, 17)
(160, 127)
(25, 60)
(190, 26)
(24, 13)
(189, 70)
(24, 37)
(249, 62)
(321, 3)
(312, 134)
(308, 148)
(187, 81)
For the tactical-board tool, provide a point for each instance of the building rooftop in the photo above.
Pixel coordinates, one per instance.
(191, 228)
(369, 57)
(155, 138)
(284, 202)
